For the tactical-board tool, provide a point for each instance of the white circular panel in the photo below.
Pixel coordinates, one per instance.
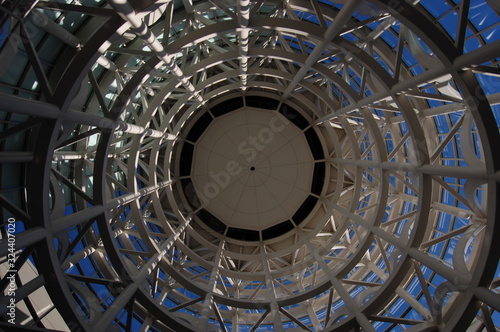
(252, 168)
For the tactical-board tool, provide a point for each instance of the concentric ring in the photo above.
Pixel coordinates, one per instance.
(176, 202)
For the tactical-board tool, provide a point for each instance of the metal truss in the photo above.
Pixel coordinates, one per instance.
(97, 100)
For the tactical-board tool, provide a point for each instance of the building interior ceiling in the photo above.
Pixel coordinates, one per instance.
(250, 165)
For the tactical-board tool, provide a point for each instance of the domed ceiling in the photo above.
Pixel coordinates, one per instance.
(251, 165)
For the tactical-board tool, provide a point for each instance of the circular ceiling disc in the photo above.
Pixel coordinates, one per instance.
(253, 168)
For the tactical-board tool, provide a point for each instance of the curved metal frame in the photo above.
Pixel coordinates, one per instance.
(403, 232)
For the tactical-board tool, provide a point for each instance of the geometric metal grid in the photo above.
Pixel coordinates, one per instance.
(97, 100)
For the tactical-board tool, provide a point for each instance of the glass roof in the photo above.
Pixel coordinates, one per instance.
(104, 108)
